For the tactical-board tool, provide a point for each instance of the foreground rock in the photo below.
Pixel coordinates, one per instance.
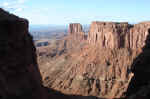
(19, 74)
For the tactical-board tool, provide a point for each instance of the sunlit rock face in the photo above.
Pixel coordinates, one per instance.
(75, 28)
(108, 34)
(118, 35)
(76, 31)
(138, 35)
(103, 70)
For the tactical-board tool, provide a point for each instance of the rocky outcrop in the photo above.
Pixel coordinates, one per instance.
(75, 39)
(139, 87)
(76, 30)
(103, 70)
(118, 35)
(91, 71)
(19, 74)
(113, 35)
(108, 34)
(138, 35)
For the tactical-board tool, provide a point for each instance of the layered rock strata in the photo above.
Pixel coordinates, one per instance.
(108, 34)
(138, 35)
(76, 30)
(103, 70)
(118, 35)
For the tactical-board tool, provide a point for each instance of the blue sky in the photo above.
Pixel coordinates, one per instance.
(82, 11)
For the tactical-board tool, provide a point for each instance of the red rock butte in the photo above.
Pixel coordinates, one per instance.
(76, 30)
(114, 35)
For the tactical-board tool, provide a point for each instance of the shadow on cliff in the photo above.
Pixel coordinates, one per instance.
(141, 69)
(53, 94)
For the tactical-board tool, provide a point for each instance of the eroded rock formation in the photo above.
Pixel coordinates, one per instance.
(118, 35)
(138, 35)
(103, 70)
(79, 70)
(108, 34)
(19, 74)
(76, 30)
(139, 87)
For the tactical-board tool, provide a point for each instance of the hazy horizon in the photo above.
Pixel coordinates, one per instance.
(63, 12)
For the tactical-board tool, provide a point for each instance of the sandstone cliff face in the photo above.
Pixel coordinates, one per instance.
(108, 34)
(75, 28)
(75, 39)
(76, 31)
(118, 35)
(19, 74)
(139, 87)
(138, 35)
(103, 70)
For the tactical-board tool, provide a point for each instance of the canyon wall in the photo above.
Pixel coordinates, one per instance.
(88, 71)
(19, 74)
(76, 30)
(105, 73)
(108, 34)
(118, 35)
(138, 35)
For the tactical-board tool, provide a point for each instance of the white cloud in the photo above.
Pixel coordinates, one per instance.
(21, 1)
(18, 9)
(14, 6)
(5, 4)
